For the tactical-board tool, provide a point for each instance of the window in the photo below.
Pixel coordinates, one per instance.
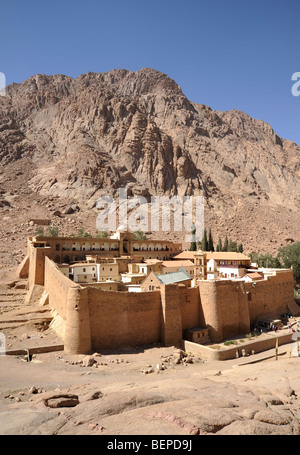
(57, 247)
(84, 270)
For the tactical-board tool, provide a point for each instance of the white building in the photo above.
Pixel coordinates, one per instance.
(83, 272)
(212, 270)
(92, 272)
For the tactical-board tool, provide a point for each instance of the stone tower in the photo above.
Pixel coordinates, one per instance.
(200, 269)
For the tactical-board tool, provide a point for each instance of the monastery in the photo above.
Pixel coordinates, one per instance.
(118, 291)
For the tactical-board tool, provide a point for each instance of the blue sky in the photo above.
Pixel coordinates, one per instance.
(227, 54)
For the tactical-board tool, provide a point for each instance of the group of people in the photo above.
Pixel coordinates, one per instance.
(274, 327)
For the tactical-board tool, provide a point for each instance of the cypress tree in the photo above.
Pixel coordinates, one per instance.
(225, 246)
(219, 246)
(204, 243)
(240, 248)
(210, 245)
(232, 246)
(193, 244)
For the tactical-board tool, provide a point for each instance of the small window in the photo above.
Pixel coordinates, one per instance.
(84, 270)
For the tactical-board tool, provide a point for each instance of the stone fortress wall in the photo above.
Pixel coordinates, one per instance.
(95, 319)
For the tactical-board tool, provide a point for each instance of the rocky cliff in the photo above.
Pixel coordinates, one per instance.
(65, 140)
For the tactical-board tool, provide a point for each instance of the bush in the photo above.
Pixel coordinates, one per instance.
(52, 231)
(102, 235)
(229, 342)
(139, 235)
(39, 231)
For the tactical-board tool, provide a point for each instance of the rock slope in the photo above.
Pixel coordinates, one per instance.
(65, 140)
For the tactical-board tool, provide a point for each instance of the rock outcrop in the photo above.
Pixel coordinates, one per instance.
(76, 139)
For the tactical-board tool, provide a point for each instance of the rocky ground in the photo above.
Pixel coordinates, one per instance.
(152, 390)
(129, 393)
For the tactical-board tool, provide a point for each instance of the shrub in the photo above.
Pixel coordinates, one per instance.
(39, 230)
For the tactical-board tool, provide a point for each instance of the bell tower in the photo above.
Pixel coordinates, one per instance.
(200, 269)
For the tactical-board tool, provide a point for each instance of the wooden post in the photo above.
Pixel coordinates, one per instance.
(276, 349)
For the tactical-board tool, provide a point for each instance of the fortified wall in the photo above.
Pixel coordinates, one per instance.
(94, 319)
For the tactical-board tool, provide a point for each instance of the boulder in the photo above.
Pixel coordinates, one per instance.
(61, 400)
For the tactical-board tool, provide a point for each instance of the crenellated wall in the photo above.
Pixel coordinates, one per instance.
(95, 319)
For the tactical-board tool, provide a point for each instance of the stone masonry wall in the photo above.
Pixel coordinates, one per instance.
(271, 295)
(124, 319)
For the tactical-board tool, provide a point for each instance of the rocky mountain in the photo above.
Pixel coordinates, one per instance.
(68, 141)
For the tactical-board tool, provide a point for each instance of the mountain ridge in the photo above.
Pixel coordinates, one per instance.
(87, 136)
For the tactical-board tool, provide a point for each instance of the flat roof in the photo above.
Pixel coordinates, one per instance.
(254, 275)
(177, 263)
(93, 264)
(217, 255)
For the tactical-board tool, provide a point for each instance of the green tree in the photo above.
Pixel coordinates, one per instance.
(102, 235)
(52, 231)
(289, 256)
(39, 231)
(139, 235)
(231, 246)
(193, 244)
(225, 246)
(80, 232)
(254, 257)
(210, 244)
(240, 248)
(219, 245)
(204, 243)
